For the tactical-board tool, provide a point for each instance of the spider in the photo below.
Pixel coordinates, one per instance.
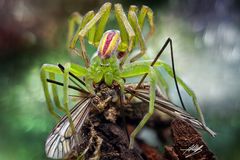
(92, 26)
(108, 66)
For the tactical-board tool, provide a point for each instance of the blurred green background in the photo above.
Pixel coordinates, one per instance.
(206, 43)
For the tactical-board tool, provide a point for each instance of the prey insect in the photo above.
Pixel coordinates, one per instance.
(109, 66)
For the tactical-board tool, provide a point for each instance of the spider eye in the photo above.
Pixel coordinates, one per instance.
(108, 44)
(121, 54)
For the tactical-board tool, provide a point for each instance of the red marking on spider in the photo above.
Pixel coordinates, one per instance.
(121, 54)
(107, 43)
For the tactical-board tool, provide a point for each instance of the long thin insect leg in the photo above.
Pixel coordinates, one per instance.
(82, 83)
(71, 74)
(171, 72)
(169, 41)
(190, 93)
(174, 75)
(154, 61)
(169, 108)
(69, 86)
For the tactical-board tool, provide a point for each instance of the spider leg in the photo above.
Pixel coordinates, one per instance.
(101, 17)
(162, 82)
(127, 32)
(171, 71)
(89, 29)
(137, 24)
(190, 92)
(50, 70)
(48, 74)
(139, 37)
(146, 11)
(66, 93)
(169, 41)
(81, 22)
(150, 111)
(75, 20)
(55, 93)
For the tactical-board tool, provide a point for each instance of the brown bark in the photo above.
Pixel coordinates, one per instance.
(105, 135)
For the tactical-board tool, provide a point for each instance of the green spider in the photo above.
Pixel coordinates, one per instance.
(108, 68)
(92, 26)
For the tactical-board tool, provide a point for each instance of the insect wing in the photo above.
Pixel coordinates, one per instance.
(61, 140)
(165, 106)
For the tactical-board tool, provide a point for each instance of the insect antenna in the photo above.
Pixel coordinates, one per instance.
(169, 41)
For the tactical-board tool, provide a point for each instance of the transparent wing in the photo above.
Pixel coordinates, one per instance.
(164, 105)
(61, 140)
